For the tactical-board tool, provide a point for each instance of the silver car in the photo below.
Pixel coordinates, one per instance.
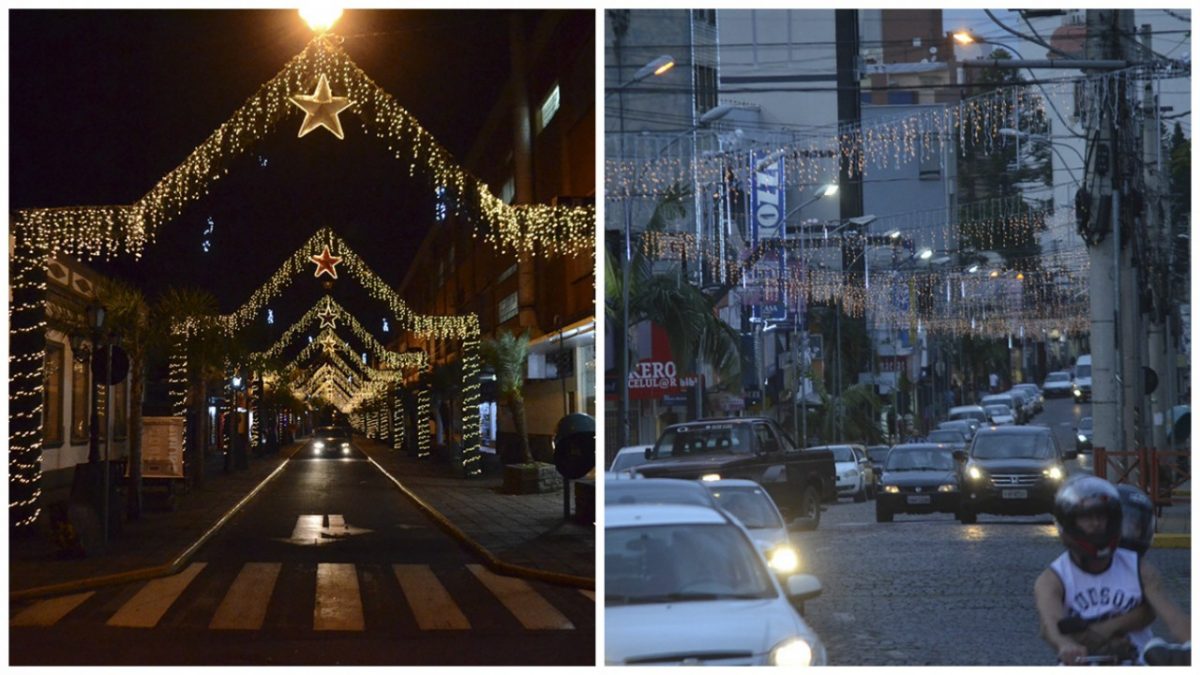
(753, 507)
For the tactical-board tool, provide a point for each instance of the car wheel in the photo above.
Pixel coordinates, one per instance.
(967, 516)
(810, 508)
(882, 514)
(861, 495)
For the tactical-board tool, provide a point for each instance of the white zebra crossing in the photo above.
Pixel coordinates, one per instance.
(338, 604)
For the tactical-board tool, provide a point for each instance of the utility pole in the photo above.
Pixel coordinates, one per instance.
(849, 176)
(1156, 405)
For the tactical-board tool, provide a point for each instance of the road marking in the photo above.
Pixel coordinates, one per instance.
(147, 608)
(245, 604)
(339, 606)
(311, 530)
(432, 606)
(308, 529)
(590, 595)
(49, 612)
(336, 522)
(522, 601)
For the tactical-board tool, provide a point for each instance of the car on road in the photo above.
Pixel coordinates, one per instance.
(752, 448)
(920, 478)
(1039, 402)
(967, 426)
(1081, 385)
(1057, 384)
(1083, 435)
(625, 460)
(855, 477)
(331, 441)
(1025, 400)
(685, 585)
(1013, 471)
(753, 507)
(1015, 402)
(657, 491)
(963, 412)
(877, 454)
(951, 437)
(998, 414)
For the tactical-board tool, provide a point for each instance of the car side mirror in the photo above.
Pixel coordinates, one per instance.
(802, 587)
(960, 455)
(649, 453)
(1071, 454)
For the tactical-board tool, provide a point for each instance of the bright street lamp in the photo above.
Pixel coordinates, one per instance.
(320, 17)
(656, 67)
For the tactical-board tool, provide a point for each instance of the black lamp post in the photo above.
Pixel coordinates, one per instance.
(95, 320)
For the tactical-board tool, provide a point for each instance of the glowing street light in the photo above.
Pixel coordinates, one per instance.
(964, 37)
(320, 17)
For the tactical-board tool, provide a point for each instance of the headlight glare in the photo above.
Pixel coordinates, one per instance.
(891, 489)
(711, 476)
(1053, 473)
(792, 652)
(1081, 437)
(783, 559)
(948, 487)
(974, 473)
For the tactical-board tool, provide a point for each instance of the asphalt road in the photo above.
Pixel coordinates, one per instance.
(329, 564)
(926, 590)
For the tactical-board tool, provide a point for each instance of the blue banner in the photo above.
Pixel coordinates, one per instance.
(768, 209)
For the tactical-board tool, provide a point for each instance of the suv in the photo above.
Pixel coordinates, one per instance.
(1013, 471)
(1082, 385)
(752, 448)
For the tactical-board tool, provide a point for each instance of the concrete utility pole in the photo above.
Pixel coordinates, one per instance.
(849, 178)
(1132, 233)
(1157, 405)
(1102, 282)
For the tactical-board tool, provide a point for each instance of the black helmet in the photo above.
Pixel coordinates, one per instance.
(1137, 519)
(1085, 495)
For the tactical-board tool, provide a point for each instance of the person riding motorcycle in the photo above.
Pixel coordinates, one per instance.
(1114, 590)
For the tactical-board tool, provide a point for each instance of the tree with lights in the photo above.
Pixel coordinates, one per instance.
(507, 354)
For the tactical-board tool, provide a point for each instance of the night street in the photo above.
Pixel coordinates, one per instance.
(329, 564)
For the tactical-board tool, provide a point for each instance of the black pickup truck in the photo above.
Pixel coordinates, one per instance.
(752, 448)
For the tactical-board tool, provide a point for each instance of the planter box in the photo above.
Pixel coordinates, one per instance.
(523, 479)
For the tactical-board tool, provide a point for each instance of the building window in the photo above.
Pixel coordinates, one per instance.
(81, 379)
(508, 308)
(52, 389)
(706, 88)
(512, 269)
(120, 413)
(508, 191)
(548, 109)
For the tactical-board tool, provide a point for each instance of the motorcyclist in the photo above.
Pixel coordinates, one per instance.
(1096, 580)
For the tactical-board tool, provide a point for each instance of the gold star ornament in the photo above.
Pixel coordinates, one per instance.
(325, 263)
(321, 109)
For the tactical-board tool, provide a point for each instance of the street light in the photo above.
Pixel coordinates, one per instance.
(320, 17)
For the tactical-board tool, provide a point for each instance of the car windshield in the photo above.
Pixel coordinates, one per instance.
(946, 436)
(1083, 371)
(968, 414)
(1085, 424)
(1058, 377)
(995, 410)
(643, 492)
(332, 432)
(704, 440)
(751, 505)
(878, 455)
(1007, 401)
(1012, 446)
(919, 459)
(628, 460)
(681, 563)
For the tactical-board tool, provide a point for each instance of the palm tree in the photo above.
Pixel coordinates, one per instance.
(507, 354)
(205, 359)
(129, 316)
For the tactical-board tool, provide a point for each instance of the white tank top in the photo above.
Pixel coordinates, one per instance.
(1113, 592)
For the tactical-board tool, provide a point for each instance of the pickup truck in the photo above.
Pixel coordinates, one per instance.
(752, 448)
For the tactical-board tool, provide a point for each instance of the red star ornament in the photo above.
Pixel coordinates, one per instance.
(325, 263)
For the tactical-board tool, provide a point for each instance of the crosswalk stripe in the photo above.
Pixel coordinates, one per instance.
(590, 595)
(339, 606)
(245, 604)
(522, 601)
(432, 606)
(49, 612)
(147, 607)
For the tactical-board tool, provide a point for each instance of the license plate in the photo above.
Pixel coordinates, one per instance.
(918, 499)
(1014, 494)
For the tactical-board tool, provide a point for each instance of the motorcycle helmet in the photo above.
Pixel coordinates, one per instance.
(1088, 495)
(1137, 519)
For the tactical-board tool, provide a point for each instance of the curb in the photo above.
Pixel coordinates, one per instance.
(490, 560)
(145, 573)
(1171, 540)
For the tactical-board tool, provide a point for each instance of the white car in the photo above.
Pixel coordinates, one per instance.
(625, 460)
(1000, 414)
(684, 585)
(853, 471)
(753, 507)
(1057, 384)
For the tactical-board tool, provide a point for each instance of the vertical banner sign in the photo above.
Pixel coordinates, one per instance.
(767, 230)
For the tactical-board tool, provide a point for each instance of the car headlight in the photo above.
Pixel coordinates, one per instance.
(891, 489)
(711, 476)
(320, 445)
(1053, 473)
(346, 445)
(783, 559)
(1081, 437)
(948, 487)
(792, 652)
(974, 473)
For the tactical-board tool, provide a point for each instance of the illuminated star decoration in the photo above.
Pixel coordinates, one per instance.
(328, 318)
(329, 342)
(321, 109)
(325, 263)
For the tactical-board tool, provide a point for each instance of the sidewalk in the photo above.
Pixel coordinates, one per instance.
(1175, 525)
(526, 531)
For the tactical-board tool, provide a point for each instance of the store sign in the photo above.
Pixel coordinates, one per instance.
(768, 210)
(657, 376)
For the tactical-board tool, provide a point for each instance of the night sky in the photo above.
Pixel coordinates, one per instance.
(102, 104)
